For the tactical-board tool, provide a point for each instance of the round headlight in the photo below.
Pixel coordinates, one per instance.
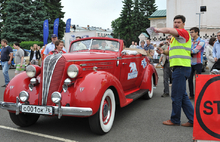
(31, 71)
(72, 71)
(23, 96)
(56, 97)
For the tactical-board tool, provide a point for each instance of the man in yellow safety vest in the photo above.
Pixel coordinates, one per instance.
(180, 60)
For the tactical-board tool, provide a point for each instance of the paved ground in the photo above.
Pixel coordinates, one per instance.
(141, 121)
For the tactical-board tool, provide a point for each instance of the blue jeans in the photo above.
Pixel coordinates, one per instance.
(5, 68)
(179, 96)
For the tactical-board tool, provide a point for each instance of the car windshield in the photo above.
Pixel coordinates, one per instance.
(95, 44)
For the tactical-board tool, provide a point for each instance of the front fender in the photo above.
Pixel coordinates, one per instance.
(88, 91)
(20, 83)
(149, 72)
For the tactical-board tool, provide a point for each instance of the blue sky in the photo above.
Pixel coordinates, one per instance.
(97, 13)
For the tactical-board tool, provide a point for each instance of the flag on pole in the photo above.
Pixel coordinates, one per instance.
(55, 26)
(45, 31)
(68, 24)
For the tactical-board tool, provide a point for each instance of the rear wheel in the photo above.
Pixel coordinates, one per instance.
(150, 93)
(24, 120)
(102, 121)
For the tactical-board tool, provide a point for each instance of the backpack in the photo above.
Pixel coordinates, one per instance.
(25, 53)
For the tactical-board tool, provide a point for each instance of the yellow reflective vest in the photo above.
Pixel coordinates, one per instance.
(180, 53)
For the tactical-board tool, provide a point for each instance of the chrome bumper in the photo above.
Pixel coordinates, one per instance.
(57, 110)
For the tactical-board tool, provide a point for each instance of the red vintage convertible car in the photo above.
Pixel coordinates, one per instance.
(89, 81)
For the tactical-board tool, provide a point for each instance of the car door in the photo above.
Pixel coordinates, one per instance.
(131, 71)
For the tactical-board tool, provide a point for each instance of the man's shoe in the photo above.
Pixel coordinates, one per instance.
(4, 85)
(169, 123)
(187, 124)
(191, 98)
(165, 95)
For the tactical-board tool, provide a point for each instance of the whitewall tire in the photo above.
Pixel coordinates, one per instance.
(102, 121)
(150, 93)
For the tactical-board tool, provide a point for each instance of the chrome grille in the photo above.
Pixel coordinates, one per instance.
(48, 69)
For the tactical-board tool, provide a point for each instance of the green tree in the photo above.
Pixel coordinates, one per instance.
(17, 25)
(123, 25)
(133, 19)
(39, 14)
(2, 13)
(137, 21)
(54, 10)
(116, 27)
(147, 7)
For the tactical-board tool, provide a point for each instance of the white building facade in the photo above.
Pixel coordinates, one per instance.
(209, 20)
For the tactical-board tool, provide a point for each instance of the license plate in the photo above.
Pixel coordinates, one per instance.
(37, 109)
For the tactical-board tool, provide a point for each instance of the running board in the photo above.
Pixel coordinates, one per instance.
(137, 94)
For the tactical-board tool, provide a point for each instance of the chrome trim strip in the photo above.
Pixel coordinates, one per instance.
(92, 60)
(47, 78)
(131, 58)
(73, 111)
(103, 59)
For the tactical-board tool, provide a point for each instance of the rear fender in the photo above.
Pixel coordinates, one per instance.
(88, 91)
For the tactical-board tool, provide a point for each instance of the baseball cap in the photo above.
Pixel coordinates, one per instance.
(53, 35)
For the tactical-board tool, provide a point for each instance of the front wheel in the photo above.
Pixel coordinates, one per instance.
(24, 120)
(150, 93)
(102, 121)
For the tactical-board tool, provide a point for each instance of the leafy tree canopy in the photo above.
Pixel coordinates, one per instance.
(133, 19)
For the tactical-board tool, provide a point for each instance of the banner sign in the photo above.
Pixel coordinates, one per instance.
(55, 26)
(68, 24)
(45, 31)
(207, 108)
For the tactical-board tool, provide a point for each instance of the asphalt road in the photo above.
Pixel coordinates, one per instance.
(141, 121)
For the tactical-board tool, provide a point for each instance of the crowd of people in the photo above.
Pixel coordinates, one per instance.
(181, 56)
(37, 55)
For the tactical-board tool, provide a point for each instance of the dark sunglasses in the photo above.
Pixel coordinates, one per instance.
(218, 35)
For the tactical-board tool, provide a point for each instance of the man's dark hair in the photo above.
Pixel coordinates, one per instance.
(180, 17)
(78, 37)
(17, 44)
(212, 40)
(5, 41)
(195, 29)
(148, 39)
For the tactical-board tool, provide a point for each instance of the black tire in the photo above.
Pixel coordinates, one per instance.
(102, 122)
(24, 120)
(150, 93)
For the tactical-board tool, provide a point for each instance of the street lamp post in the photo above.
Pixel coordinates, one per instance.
(202, 10)
(199, 17)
